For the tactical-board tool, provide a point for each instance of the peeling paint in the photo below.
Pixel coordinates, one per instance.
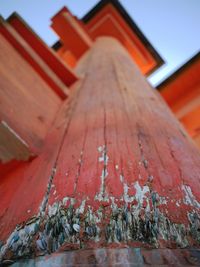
(194, 219)
(131, 218)
(126, 188)
(189, 197)
(143, 211)
(140, 192)
(45, 199)
(102, 195)
(63, 223)
(117, 167)
(81, 209)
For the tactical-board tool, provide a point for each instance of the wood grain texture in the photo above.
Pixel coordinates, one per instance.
(118, 167)
(27, 103)
(63, 71)
(77, 40)
(11, 145)
(31, 56)
(23, 190)
(118, 109)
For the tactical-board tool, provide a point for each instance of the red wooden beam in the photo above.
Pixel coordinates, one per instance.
(34, 60)
(64, 72)
(12, 146)
(24, 190)
(71, 32)
(22, 96)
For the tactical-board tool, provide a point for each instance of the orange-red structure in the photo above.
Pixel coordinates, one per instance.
(91, 156)
(182, 93)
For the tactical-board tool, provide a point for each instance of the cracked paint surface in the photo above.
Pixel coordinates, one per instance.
(116, 171)
(80, 226)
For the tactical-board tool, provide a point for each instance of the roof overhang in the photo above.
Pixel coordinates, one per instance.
(109, 18)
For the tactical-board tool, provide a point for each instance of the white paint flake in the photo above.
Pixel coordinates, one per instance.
(189, 197)
(81, 208)
(102, 196)
(140, 192)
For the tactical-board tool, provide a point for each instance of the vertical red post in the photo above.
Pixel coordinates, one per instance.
(117, 169)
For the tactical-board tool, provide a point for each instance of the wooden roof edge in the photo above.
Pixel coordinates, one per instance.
(19, 17)
(131, 24)
(179, 71)
(57, 45)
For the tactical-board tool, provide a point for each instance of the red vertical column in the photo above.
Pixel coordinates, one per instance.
(126, 173)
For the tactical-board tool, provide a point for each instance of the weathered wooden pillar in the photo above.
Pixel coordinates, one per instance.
(126, 173)
(126, 167)
(126, 161)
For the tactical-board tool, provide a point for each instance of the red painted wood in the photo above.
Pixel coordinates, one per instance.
(117, 108)
(115, 148)
(76, 40)
(108, 22)
(33, 59)
(181, 91)
(64, 72)
(23, 189)
(22, 97)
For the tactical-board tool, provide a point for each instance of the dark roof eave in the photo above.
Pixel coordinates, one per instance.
(57, 45)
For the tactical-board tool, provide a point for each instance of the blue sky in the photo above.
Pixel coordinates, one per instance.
(172, 26)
